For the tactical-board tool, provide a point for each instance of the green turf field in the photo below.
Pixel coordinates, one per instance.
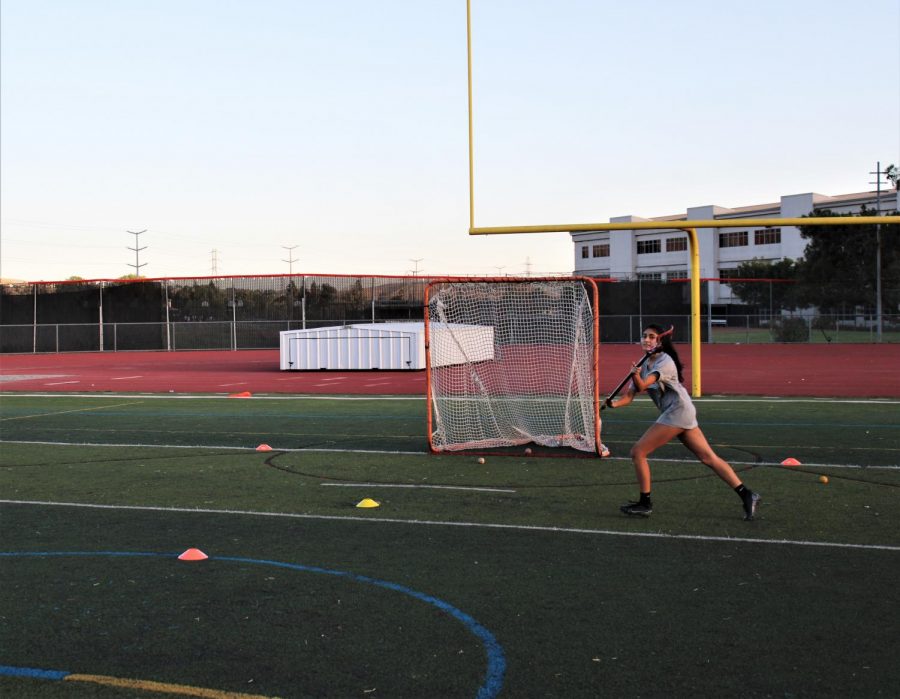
(514, 578)
(764, 335)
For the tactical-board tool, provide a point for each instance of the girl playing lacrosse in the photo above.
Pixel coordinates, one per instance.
(661, 377)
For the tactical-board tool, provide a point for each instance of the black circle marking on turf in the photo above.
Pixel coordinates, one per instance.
(270, 461)
(840, 477)
(192, 455)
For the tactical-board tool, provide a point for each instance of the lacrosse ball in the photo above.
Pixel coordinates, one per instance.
(481, 459)
(823, 479)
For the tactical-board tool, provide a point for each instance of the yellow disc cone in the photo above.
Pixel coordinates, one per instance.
(368, 502)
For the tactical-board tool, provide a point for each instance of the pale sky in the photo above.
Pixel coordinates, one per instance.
(340, 127)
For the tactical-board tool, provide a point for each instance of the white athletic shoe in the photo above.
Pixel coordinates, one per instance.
(604, 450)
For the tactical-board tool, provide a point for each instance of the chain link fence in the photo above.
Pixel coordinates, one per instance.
(249, 312)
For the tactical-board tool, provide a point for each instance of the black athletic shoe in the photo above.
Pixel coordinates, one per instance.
(751, 501)
(636, 509)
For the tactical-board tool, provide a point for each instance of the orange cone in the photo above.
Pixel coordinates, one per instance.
(263, 447)
(193, 555)
(242, 394)
(790, 461)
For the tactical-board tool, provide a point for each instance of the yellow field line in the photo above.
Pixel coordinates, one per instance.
(149, 686)
(77, 410)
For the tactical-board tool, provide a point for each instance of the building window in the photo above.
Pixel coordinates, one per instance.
(730, 273)
(584, 252)
(601, 250)
(645, 247)
(733, 239)
(650, 276)
(676, 244)
(767, 236)
(677, 274)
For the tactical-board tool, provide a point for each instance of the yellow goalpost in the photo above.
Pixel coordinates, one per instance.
(689, 227)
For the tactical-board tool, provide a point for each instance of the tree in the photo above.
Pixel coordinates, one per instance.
(837, 272)
(892, 172)
(767, 293)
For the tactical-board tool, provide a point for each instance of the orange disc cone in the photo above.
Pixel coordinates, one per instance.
(193, 555)
(242, 394)
(790, 461)
(263, 447)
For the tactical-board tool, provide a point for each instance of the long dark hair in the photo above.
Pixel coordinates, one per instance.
(665, 342)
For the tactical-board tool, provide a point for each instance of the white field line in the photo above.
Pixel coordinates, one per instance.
(78, 410)
(123, 378)
(60, 383)
(207, 446)
(300, 396)
(202, 396)
(30, 377)
(387, 452)
(474, 525)
(417, 486)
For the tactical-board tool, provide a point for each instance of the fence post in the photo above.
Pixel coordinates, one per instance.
(100, 314)
(34, 322)
(168, 332)
(233, 317)
(303, 305)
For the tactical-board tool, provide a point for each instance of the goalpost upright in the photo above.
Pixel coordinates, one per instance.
(688, 226)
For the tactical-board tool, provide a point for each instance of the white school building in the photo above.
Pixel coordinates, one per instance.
(663, 254)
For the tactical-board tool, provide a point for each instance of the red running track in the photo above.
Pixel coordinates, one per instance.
(839, 370)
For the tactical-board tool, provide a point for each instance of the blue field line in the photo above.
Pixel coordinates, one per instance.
(33, 673)
(496, 659)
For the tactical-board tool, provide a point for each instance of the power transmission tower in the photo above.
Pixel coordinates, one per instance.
(137, 262)
(290, 260)
(416, 261)
(214, 270)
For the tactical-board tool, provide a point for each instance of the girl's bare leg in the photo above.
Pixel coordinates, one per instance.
(695, 441)
(656, 436)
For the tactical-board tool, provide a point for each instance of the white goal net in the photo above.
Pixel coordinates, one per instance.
(512, 362)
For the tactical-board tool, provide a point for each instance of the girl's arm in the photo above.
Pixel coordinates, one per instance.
(642, 384)
(622, 399)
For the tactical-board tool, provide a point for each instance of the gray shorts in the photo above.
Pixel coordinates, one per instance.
(682, 415)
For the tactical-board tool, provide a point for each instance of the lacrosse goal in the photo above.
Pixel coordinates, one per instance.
(512, 362)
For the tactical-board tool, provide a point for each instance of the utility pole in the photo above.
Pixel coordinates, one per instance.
(500, 270)
(527, 266)
(877, 183)
(214, 270)
(137, 262)
(416, 261)
(290, 260)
